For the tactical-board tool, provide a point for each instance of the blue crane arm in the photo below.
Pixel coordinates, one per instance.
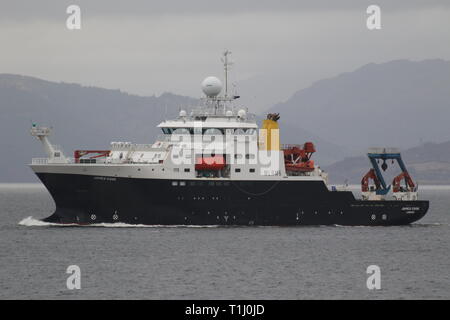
(385, 156)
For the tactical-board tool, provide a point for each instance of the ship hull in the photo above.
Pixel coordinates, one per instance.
(86, 199)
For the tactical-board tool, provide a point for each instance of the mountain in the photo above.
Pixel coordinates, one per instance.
(399, 103)
(428, 163)
(82, 117)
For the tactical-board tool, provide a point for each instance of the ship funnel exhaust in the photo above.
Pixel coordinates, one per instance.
(270, 133)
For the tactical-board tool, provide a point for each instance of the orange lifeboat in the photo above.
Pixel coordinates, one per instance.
(212, 163)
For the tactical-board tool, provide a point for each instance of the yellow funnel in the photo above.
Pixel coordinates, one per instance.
(269, 135)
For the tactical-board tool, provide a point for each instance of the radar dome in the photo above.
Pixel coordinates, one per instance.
(242, 113)
(211, 86)
(183, 113)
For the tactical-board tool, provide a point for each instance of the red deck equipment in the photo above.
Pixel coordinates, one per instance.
(77, 154)
(298, 158)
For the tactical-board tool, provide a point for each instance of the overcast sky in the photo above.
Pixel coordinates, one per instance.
(149, 47)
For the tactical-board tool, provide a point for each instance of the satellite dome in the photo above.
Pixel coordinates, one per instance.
(183, 113)
(211, 86)
(242, 113)
(229, 113)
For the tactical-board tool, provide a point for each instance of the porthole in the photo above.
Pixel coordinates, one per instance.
(373, 217)
(384, 216)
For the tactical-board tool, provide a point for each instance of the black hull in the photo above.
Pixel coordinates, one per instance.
(84, 199)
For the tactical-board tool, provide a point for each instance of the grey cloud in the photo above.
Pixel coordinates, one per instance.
(18, 10)
(277, 51)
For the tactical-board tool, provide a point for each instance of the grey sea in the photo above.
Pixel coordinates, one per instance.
(145, 262)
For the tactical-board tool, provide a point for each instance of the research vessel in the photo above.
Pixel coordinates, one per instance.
(213, 165)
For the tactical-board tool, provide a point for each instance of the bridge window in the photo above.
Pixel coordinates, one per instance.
(181, 131)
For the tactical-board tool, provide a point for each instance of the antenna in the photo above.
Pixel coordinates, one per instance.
(226, 64)
(165, 110)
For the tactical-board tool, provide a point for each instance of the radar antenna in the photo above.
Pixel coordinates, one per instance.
(226, 65)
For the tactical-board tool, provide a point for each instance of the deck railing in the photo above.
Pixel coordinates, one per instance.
(39, 161)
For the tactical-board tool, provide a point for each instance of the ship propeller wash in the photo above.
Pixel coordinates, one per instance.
(213, 166)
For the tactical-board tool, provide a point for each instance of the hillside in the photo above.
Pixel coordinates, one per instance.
(400, 103)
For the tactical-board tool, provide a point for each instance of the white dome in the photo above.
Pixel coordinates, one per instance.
(229, 113)
(211, 86)
(183, 113)
(242, 113)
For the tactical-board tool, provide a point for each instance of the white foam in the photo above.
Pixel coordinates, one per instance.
(32, 222)
(126, 225)
(429, 224)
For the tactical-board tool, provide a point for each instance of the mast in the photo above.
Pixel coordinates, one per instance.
(226, 64)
